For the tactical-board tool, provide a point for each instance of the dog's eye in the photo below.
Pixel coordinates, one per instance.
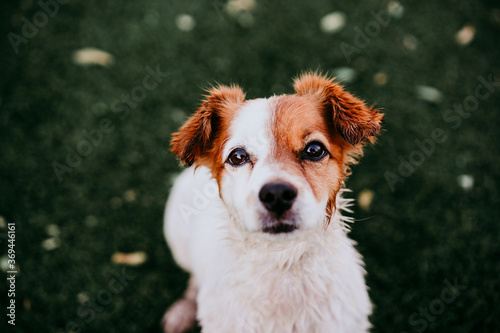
(237, 157)
(314, 151)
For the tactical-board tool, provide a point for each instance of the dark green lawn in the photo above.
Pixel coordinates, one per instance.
(422, 231)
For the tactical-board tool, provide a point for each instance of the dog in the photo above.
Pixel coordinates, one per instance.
(257, 221)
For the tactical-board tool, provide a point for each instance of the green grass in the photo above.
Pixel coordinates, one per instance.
(426, 231)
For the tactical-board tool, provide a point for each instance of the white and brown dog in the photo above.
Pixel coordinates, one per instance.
(257, 221)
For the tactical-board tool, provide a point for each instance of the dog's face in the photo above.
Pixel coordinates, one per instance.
(279, 162)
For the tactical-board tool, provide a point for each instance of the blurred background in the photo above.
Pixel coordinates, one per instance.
(92, 90)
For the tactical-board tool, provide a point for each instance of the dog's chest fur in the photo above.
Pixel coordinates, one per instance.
(317, 286)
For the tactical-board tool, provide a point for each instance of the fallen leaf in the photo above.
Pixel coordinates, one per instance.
(92, 56)
(130, 259)
(365, 199)
(380, 78)
(465, 35)
(333, 22)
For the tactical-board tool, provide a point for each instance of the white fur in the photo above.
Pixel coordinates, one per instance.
(310, 280)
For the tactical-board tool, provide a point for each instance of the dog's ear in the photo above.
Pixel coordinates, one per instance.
(353, 119)
(194, 140)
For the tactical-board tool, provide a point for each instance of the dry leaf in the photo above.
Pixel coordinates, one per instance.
(333, 22)
(130, 259)
(365, 199)
(234, 7)
(185, 22)
(380, 78)
(92, 56)
(465, 35)
(130, 195)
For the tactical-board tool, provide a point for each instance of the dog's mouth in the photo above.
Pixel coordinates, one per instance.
(279, 228)
(272, 224)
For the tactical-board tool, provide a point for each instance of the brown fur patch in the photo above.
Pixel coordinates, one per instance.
(201, 138)
(322, 110)
(354, 120)
(298, 121)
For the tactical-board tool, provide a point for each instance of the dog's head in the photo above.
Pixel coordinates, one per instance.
(279, 162)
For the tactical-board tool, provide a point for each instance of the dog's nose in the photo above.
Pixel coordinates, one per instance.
(278, 197)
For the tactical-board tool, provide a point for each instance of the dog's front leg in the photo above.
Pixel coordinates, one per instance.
(181, 316)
